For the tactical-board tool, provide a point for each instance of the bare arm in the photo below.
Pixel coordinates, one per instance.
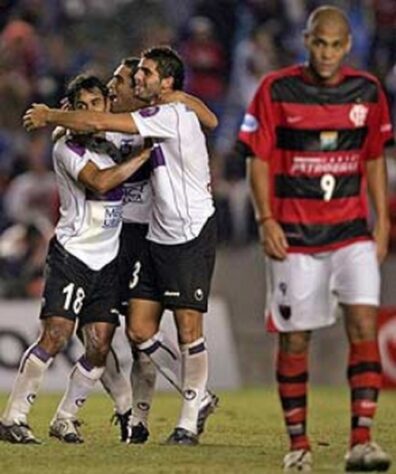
(39, 115)
(271, 234)
(102, 181)
(377, 183)
(207, 118)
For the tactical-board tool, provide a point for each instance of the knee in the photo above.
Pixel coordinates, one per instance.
(189, 326)
(294, 343)
(137, 333)
(53, 339)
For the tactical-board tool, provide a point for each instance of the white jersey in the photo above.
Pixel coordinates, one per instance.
(90, 224)
(137, 191)
(182, 199)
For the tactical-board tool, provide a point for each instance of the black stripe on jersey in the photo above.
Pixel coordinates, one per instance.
(364, 367)
(294, 402)
(300, 378)
(294, 89)
(320, 140)
(303, 187)
(365, 393)
(301, 235)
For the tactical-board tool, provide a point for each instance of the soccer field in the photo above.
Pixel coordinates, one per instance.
(245, 435)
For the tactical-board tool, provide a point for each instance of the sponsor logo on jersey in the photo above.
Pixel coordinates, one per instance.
(317, 165)
(358, 115)
(134, 192)
(328, 140)
(249, 124)
(112, 217)
(149, 111)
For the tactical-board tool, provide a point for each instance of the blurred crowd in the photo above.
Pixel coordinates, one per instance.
(227, 46)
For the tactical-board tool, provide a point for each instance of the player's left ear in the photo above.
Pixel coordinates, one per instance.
(348, 45)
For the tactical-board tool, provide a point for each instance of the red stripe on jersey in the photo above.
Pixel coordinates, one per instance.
(314, 211)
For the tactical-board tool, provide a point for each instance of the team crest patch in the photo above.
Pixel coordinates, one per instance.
(249, 124)
(328, 140)
(149, 111)
(358, 115)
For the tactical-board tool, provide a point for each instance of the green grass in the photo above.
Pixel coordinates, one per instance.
(245, 435)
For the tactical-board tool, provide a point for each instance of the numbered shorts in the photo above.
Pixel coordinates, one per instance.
(136, 272)
(184, 271)
(72, 290)
(305, 289)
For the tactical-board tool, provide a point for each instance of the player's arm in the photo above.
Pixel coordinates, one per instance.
(377, 184)
(207, 118)
(271, 234)
(39, 115)
(103, 180)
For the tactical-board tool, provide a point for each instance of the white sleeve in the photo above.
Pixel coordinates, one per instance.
(72, 157)
(157, 121)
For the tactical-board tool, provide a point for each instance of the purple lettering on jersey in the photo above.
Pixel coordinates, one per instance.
(76, 147)
(149, 111)
(157, 157)
(115, 194)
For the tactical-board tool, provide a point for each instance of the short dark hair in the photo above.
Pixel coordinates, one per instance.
(84, 82)
(131, 63)
(169, 64)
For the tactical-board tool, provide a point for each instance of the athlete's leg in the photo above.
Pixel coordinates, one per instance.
(194, 373)
(35, 361)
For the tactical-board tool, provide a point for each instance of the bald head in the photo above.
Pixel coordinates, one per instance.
(328, 16)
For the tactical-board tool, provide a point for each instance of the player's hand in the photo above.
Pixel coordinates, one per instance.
(171, 96)
(36, 117)
(273, 239)
(381, 238)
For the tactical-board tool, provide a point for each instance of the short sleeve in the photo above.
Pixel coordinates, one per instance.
(380, 127)
(71, 156)
(257, 129)
(159, 121)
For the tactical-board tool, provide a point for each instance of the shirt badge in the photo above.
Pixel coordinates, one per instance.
(358, 115)
(328, 140)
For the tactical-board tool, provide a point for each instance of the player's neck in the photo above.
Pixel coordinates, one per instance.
(312, 76)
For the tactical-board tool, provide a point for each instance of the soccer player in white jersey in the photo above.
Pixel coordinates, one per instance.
(182, 230)
(139, 295)
(81, 271)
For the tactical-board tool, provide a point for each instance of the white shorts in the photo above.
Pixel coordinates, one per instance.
(305, 289)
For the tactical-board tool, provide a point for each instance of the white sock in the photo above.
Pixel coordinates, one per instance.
(116, 384)
(195, 376)
(81, 381)
(143, 376)
(165, 355)
(34, 364)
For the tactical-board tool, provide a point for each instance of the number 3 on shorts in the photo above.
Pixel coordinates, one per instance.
(135, 275)
(327, 183)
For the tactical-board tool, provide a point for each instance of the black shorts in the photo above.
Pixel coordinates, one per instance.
(184, 271)
(72, 290)
(137, 277)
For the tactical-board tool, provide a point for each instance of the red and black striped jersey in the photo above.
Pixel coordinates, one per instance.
(316, 140)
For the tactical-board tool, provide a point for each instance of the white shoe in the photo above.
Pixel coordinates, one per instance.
(66, 429)
(367, 457)
(298, 460)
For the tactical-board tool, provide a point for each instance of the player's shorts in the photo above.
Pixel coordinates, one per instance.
(72, 290)
(137, 277)
(305, 289)
(184, 271)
